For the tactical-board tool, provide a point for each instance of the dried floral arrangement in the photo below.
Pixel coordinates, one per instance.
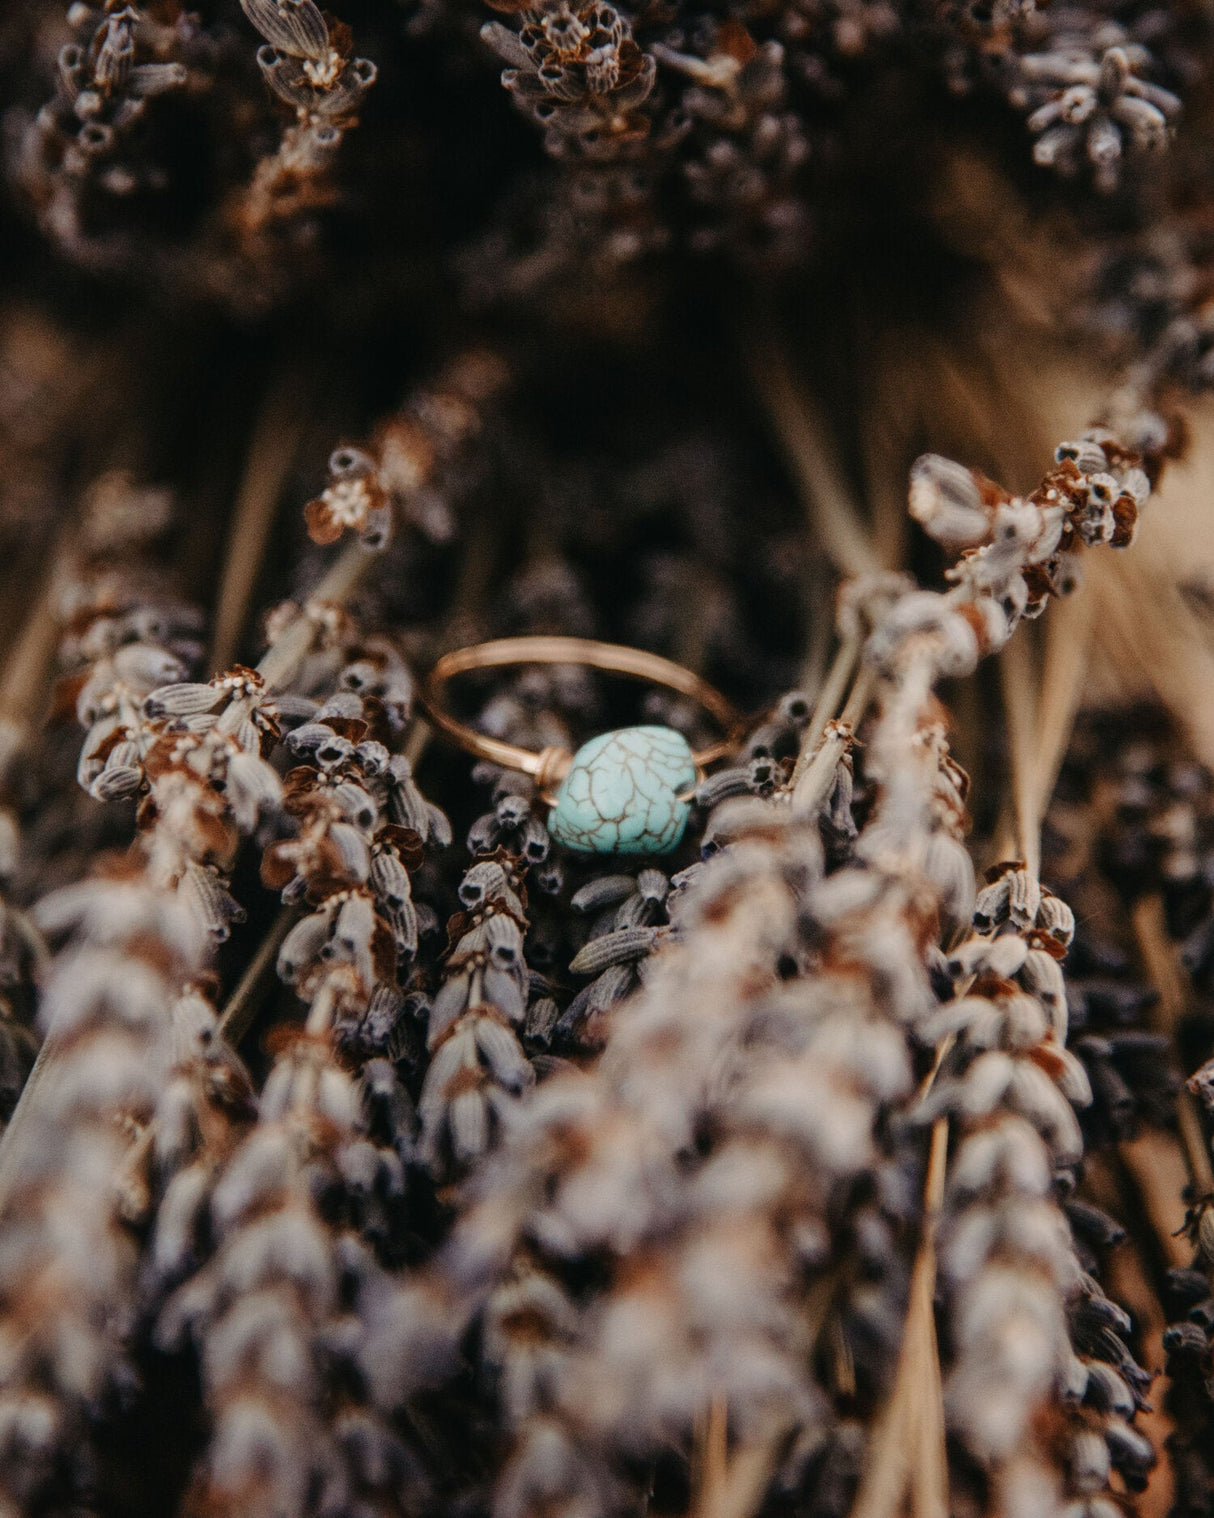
(436, 1097)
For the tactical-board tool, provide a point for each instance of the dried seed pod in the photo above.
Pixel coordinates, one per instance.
(946, 500)
(621, 947)
(295, 26)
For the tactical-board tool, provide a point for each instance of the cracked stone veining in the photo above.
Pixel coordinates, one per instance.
(621, 795)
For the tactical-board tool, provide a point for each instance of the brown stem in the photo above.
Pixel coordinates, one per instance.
(731, 1486)
(1015, 670)
(817, 776)
(280, 663)
(1157, 1166)
(242, 1005)
(24, 684)
(811, 457)
(1040, 721)
(842, 667)
(1068, 642)
(1164, 971)
(271, 453)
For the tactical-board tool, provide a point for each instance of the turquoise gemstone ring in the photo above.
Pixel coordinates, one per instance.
(626, 793)
(623, 792)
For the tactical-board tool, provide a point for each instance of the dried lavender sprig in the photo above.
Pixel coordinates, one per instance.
(918, 638)
(84, 145)
(1142, 822)
(360, 827)
(1088, 104)
(579, 73)
(743, 159)
(360, 823)
(201, 1115)
(291, 1433)
(630, 1194)
(310, 68)
(409, 470)
(135, 942)
(126, 629)
(942, 501)
(1085, 82)
(478, 1067)
(1011, 1270)
(1149, 302)
(622, 937)
(126, 632)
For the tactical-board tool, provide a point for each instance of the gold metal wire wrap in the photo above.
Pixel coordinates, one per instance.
(549, 766)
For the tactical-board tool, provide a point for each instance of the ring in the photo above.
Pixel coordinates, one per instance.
(624, 792)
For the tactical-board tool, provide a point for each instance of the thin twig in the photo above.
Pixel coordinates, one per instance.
(24, 683)
(272, 451)
(842, 667)
(1015, 670)
(929, 1472)
(1157, 1166)
(805, 442)
(731, 1486)
(1159, 958)
(1040, 722)
(818, 582)
(740, 1490)
(242, 1005)
(417, 740)
(1068, 643)
(1146, 626)
(712, 1454)
(813, 786)
(282, 661)
(892, 412)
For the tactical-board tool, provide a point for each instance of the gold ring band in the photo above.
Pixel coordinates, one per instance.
(548, 766)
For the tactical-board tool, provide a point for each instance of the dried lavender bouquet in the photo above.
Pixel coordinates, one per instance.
(375, 1139)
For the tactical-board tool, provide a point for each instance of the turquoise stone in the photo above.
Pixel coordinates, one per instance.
(621, 795)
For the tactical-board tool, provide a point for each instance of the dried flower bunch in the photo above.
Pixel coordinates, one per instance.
(844, 1150)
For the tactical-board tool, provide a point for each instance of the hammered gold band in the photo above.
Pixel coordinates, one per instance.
(548, 766)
